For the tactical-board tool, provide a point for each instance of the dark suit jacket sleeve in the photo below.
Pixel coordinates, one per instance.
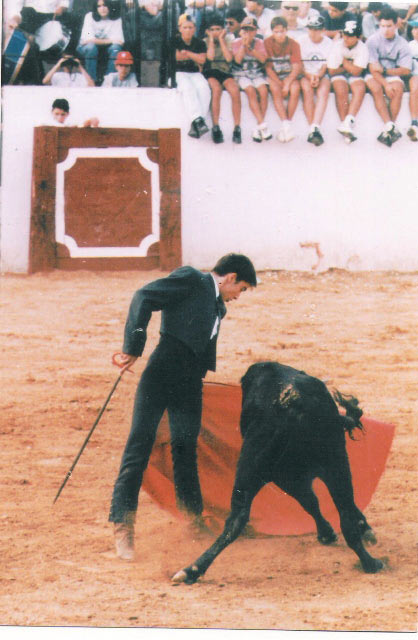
(155, 296)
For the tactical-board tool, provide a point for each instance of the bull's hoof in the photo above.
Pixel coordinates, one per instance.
(368, 537)
(327, 535)
(373, 566)
(188, 575)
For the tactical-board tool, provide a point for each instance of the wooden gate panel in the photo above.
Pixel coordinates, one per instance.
(107, 202)
(119, 208)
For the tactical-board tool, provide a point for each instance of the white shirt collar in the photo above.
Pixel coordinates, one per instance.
(216, 286)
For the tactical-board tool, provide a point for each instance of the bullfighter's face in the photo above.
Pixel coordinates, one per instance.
(230, 288)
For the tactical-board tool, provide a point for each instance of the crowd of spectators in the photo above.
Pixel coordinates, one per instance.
(290, 50)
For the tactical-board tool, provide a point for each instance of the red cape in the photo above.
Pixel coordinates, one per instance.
(273, 512)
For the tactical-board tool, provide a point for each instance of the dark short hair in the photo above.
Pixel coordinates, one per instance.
(375, 6)
(61, 103)
(236, 14)
(215, 20)
(239, 264)
(278, 21)
(389, 14)
(342, 6)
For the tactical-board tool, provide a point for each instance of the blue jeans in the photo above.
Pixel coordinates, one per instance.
(90, 53)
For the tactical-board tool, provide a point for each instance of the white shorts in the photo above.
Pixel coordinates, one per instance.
(388, 78)
(244, 82)
(349, 79)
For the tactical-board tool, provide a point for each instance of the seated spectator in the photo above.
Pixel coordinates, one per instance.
(248, 69)
(59, 117)
(68, 72)
(296, 27)
(347, 64)
(101, 32)
(192, 85)
(335, 17)
(371, 17)
(49, 22)
(283, 68)
(201, 11)
(315, 48)
(151, 27)
(413, 82)
(262, 15)
(306, 11)
(233, 20)
(217, 71)
(123, 76)
(390, 62)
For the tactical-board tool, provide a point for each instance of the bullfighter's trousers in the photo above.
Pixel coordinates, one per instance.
(172, 380)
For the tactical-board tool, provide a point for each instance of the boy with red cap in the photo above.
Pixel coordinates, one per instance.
(123, 76)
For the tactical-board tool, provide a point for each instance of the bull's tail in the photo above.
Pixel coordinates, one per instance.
(351, 420)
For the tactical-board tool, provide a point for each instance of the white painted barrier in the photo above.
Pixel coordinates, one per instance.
(272, 201)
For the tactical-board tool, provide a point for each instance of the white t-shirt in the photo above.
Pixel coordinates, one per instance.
(102, 29)
(314, 56)
(51, 122)
(413, 46)
(64, 79)
(358, 55)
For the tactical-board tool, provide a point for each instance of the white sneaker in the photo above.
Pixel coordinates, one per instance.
(288, 134)
(266, 134)
(257, 135)
(346, 130)
(281, 136)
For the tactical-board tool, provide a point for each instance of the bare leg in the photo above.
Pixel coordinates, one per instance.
(263, 92)
(358, 90)
(233, 90)
(216, 89)
(396, 99)
(376, 90)
(254, 104)
(322, 94)
(294, 93)
(276, 94)
(341, 97)
(308, 99)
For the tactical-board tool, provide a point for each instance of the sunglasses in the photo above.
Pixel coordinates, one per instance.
(291, 8)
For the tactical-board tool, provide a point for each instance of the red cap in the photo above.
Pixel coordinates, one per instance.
(124, 57)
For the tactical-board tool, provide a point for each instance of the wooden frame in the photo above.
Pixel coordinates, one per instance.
(51, 147)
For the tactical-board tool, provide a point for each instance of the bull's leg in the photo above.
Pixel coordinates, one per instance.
(302, 491)
(248, 483)
(338, 481)
(367, 533)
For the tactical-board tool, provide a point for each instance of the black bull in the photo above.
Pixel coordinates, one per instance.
(292, 433)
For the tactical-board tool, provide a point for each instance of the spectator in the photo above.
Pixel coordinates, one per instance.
(315, 48)
(151, 28)
(296, 27)
(335, 18)
(413, 82)
(123, 76)
(233, 20)
(201, 11)
(192, 85)
(248, 69)
(68, 72)
(49, 22)
(218, 74)
(389, 62)
(59, 117)
(306, 11)
(283, 69)
(262, 15)
(371, 17)
(347, 64)
(101, 33)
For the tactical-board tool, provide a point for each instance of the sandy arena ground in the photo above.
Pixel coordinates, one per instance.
(59, 331)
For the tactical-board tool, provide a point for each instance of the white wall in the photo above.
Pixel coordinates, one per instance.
(359, 202)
